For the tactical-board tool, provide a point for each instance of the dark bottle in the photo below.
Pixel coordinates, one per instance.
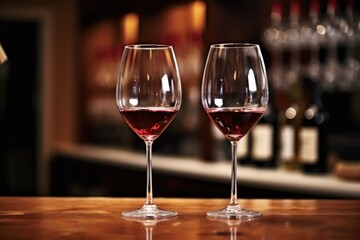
(264, 141)
(288, 132)
(340, 28)
(313, 136)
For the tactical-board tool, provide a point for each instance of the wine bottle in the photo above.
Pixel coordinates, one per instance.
(341, 27)
(313, 136)
(274, 34)
(309, 40)
(288, 138)
(263, 139)
(273, 38)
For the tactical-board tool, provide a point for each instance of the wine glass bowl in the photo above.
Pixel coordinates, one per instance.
(148, 95)
(234, 94)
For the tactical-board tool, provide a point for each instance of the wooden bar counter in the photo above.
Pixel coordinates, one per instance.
(100, 218)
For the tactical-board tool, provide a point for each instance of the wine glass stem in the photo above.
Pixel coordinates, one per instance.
(233, 197)
(149, 191)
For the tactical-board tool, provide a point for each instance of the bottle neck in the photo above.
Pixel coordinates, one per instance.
(349, 10)
(315, 105)
(316, 96)
(331, 8)
(294, 16)
(314, 11)
(276, 13)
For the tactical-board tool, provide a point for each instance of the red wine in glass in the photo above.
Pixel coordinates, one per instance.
(234, 123)
(234, 94)
(148, 123)
(148, 95)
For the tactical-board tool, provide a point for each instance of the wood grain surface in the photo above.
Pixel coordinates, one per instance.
(100, 218)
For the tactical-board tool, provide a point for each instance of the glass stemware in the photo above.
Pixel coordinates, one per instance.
(234, 94)
(148, 96)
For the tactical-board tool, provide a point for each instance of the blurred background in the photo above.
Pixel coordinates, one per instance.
(61, 133)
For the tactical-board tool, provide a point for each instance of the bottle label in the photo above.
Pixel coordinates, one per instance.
(262, 142)
(287, 140)
(308, 151)
(242, 147)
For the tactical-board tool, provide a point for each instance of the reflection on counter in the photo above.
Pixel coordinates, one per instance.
(233, 225)
(150, 224)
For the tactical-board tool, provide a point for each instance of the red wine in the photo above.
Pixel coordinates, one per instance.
(234, 123)
(148, 124)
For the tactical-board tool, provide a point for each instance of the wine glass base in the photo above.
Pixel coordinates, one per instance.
(149, 211)
(234, 211)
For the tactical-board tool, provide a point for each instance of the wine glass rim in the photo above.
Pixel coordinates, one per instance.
(234, 45)
(148, 46)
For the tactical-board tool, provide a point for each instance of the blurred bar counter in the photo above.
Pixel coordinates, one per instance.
(83, 170)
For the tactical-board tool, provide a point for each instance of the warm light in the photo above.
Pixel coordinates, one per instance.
(198, 15)
(130, 28)
(309, 113)
(290, 113)
(321, 29)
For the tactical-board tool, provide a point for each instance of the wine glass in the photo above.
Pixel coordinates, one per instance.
(148, 95)
(234, 94)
